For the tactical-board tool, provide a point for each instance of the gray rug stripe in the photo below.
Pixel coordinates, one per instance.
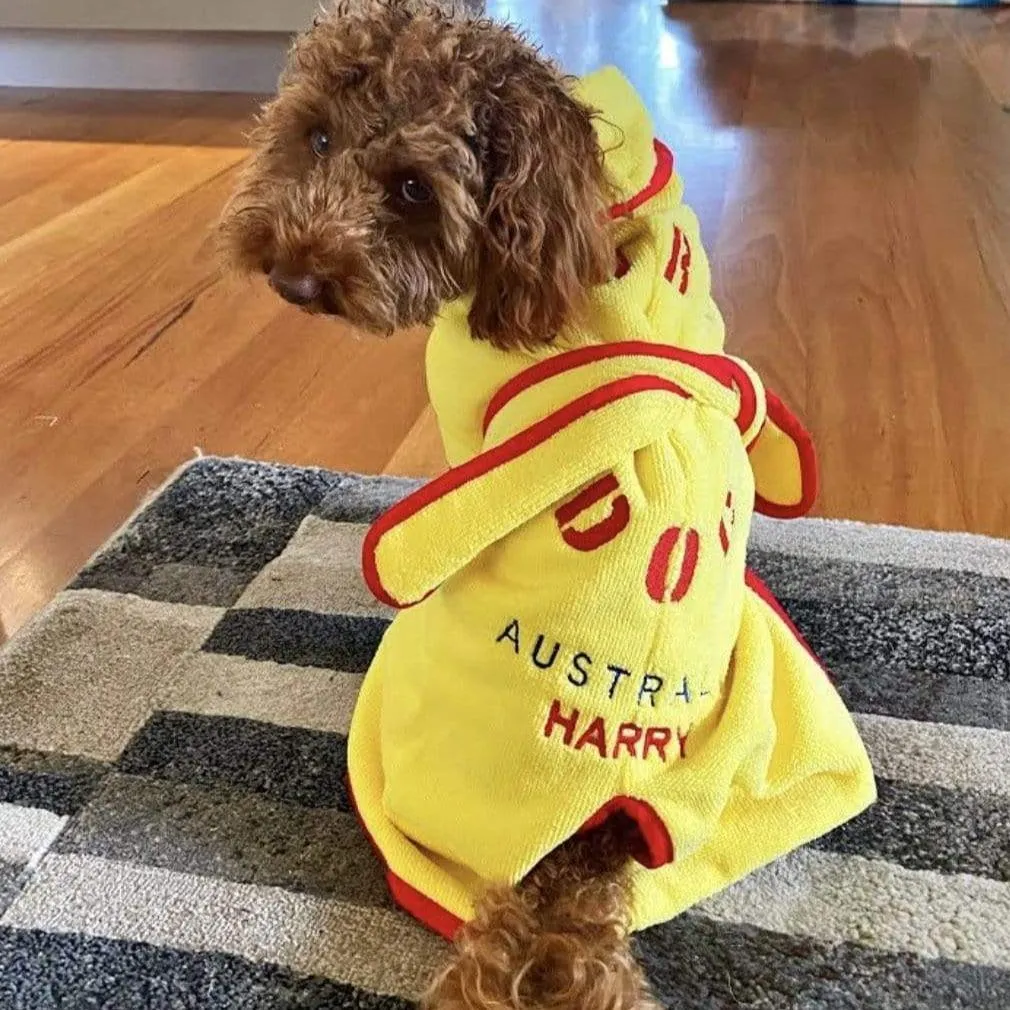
(362, 499)
(929, 828)
(696, 963)
(835, 897)
(286, 763)
(319, 571)
(879, 689)
(890, 545)
(55, 782)
(26, 832)
(82, 676)
(136, 903)
(862, 583)
(247, 513)
(208, 683)
(302, 637)
(920, 826)
(10, 876)
(61, 971)
(209, 840)
(315, 936)
(907, 637)
(953, 757)
(240, 836)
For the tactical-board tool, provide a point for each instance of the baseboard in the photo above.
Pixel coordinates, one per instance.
(159, 61)
(177, 16)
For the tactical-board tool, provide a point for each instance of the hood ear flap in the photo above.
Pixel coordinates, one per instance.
(784, 464)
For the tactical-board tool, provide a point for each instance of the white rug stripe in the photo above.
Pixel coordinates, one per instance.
(839, 898)
(279, 693)
(927, 753)
(895, 546)
(26, 832)
(99, 897)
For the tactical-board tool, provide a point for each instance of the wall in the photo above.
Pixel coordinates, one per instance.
(167, 61)
(159, 15)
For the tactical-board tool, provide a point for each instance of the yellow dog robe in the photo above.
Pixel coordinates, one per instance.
(579, 635)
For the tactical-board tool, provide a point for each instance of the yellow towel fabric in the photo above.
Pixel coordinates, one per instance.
(579, 634)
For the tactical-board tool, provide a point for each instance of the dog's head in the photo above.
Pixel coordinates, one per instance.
(412, 155)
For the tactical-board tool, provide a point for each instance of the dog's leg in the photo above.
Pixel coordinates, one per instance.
(559, 941)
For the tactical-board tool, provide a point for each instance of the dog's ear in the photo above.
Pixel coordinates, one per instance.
(544, 240)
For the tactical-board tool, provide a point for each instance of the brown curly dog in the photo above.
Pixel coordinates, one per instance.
(414, 153)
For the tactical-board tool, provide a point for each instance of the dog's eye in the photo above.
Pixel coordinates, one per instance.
(319, 141)
(413, 191)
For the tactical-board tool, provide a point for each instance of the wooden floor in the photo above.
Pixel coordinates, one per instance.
(851, 167)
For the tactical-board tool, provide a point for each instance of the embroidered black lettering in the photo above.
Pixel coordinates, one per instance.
(650, 685)
(580, 675)
(536, 654)
(684, 692)
(618, 673)
(512, 634)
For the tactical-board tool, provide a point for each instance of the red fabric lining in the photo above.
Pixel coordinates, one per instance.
(484, 463)
(725, 371)
(623, 264)
(661, 175)
(411, 900)
(785, 419)
(658, 848)
(658, 851)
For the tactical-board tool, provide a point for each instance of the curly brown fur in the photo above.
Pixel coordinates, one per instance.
(413, 154)
(559, 941)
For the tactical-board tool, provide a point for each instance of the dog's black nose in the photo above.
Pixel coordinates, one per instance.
(299, 289)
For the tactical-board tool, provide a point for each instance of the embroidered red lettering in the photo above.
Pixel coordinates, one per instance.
(555, 718)
(594, 736)
(685, 266)
(680, 259)
(629, 740)
(682, 742)
(628, 735)
(660, 575)
(726, 523)
(674, 261)
(595, 536)
(658, 738)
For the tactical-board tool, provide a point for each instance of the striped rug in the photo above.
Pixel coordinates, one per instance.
(174, 830)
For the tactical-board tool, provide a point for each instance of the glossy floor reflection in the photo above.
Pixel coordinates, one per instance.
(851, 169)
